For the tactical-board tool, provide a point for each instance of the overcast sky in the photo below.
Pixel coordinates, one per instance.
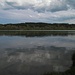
(50, 11)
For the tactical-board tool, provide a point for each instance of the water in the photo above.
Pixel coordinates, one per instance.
(35, 53)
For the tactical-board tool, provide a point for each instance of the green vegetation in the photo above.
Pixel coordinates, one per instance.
(37, 26)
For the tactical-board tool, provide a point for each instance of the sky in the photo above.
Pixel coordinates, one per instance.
(48, 11)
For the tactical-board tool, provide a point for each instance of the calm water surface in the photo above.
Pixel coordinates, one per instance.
(35, 55)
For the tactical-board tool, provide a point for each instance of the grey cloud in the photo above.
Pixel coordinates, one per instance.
(71, 3)
(37, 11)
(58, 5)
(40, 5)
(10, 16)
(14, 5)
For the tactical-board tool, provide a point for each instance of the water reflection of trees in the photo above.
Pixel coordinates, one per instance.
(36, 33)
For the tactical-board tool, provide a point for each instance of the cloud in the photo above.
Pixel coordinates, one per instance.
(71, 3)
(38, 5)
(37, 11)
(14, 16)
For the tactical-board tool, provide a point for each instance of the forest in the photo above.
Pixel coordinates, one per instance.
(37, 26)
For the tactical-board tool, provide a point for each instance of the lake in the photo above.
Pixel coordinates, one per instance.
(35, 52)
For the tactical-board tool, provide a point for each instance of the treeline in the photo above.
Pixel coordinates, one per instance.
(37, 26)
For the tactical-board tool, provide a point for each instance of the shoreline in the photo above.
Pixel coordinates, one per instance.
(37, 30)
